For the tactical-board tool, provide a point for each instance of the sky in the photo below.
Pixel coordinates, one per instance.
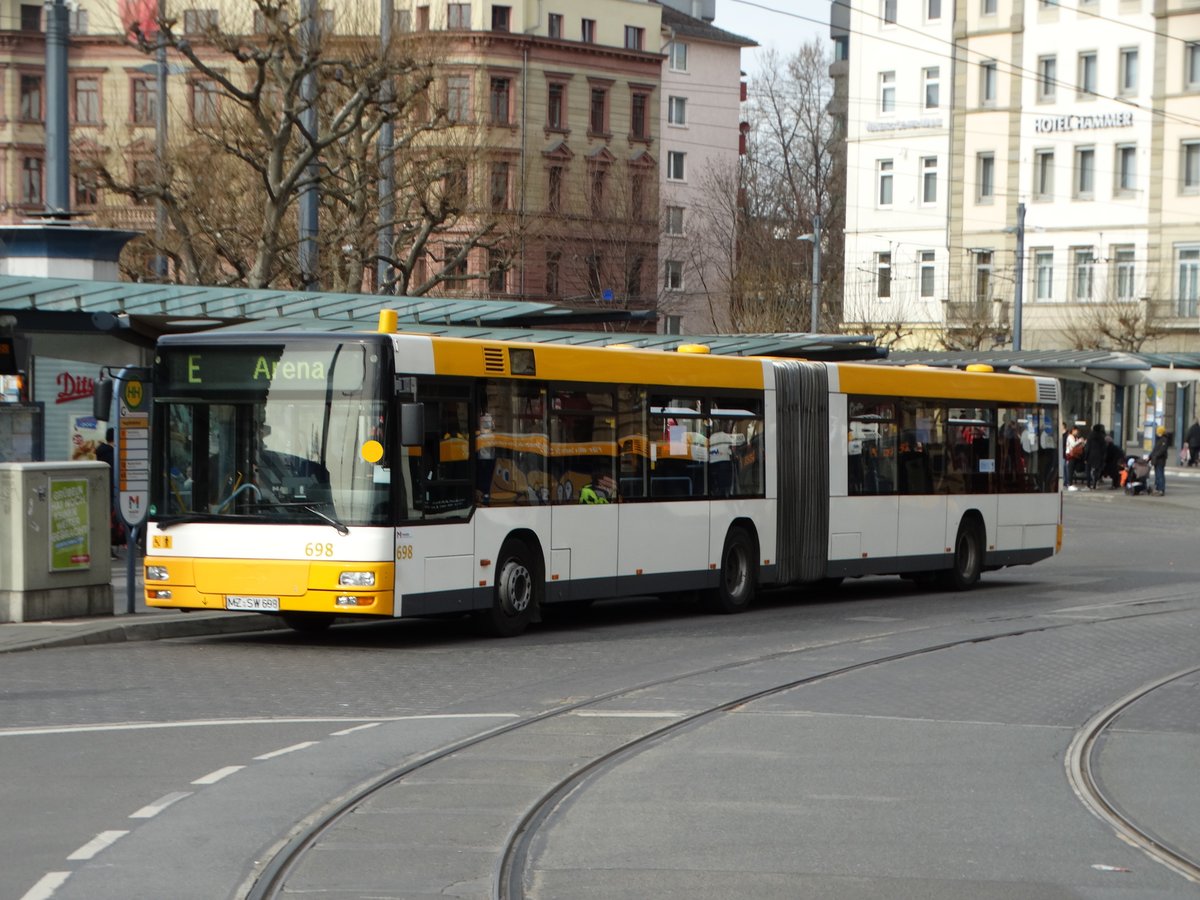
(773, 23)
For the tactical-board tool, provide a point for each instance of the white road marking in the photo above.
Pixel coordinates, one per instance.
(204, 723)
(874, 619)
(292, 749)
(46, 886)
(101, 841)
(214, 777)
(345, 731)
(153, 809)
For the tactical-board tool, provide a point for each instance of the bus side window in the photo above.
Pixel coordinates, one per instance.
(633, 446)
(871, 448)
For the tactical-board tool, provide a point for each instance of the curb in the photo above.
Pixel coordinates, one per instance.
(120, 632)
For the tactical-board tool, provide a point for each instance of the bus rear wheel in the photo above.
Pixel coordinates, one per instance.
(738, 575)
(515, 596)
(968, 559)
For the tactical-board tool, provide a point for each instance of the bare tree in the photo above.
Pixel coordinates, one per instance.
(241, 156)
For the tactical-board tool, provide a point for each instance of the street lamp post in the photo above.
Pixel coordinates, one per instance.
(1019, 288)
(815, 301)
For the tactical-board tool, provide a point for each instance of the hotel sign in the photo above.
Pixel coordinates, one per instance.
(1050, 124)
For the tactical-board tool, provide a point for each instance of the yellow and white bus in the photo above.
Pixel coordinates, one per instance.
(389, 474)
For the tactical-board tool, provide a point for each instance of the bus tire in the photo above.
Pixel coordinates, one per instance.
(737, 577)
(964, 572)
(307, 623)
(516, 594)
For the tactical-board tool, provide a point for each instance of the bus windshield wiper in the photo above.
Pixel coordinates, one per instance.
(339, 526)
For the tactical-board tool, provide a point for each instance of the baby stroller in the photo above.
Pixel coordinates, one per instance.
(1136, 475)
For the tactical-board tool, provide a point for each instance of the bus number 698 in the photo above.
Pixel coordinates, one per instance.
(318, 550)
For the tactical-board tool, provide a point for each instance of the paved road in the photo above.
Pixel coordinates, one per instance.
(939, 774)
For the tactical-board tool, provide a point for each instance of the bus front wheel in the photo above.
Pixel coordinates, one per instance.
(737, 576)
(968, 559)
(515, 594)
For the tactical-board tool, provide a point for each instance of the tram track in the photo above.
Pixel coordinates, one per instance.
(1081, 759)
(509, 871)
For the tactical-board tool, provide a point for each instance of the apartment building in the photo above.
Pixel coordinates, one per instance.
(703, 91)
(1085, 116)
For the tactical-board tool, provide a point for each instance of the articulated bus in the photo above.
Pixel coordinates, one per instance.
(383, 474)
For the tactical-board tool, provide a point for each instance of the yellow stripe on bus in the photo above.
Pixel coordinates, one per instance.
(457, 356)
(937, 383)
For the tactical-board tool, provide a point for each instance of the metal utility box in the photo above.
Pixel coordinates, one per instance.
(54, 540)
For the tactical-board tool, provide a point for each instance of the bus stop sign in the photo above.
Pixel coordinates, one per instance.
(133, 448)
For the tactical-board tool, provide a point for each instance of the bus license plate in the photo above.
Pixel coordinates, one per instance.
(252, 604)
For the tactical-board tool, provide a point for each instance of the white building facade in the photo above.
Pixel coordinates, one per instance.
(1087, 118)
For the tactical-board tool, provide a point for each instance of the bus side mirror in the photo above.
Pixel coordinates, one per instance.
(412, 424)
(102, 396)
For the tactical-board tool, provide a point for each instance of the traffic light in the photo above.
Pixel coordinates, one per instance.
(8, 356)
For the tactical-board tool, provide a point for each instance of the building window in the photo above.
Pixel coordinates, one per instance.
(31, 98)
(674, 221)
(86, 192)
(635, 38)
(1043, 274)
(929, 173)
(677, 110)
(885, 171)
(639, 118)
(987, 83)
(985, 177)
(497, 271)
(144, 106)
(87, 101)
(500, 99)
(499, 186)
(637, 196)
(673, 325)
(676, 165)
(678, 52)
(31, 17)
(458, 98)
(1043, 174)
(595, 281)
(598, 111)
(883, 275)
(983, 276)
(501, 18)
(987, 8)
(1188, 290)
(556, 104)
(1191, 66)
(31, 181)
(402, 21)
(422, 18)
(633, 278)
(458, 16)
(1128, 76)
(1047, 78)
(454, 262)
(1086, 80)
(1085, 173)
(928, 272)
(587, 31)
(887, 92)
(931, 78)
(1189, 152)
(553, 259)
(889, 12)
(198, 21)
(1123, 273)
(673, 275)
(204, 101)
(554, 186)
(933, 10)
(599, 178)
(556, 25)
(1126, 168)
(1083, 265)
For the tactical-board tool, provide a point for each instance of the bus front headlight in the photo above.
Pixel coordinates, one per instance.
(357, 579)
(156, 573)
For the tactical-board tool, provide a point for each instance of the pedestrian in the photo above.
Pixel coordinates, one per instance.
(1193, 442)
(106, 453)
(1073, 445)
(1158, 459)
(1112, 462)
(1093, 455)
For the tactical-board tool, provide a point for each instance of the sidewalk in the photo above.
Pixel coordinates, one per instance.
(143, 624)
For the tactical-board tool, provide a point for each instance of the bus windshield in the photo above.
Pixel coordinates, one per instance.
(280, 434)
